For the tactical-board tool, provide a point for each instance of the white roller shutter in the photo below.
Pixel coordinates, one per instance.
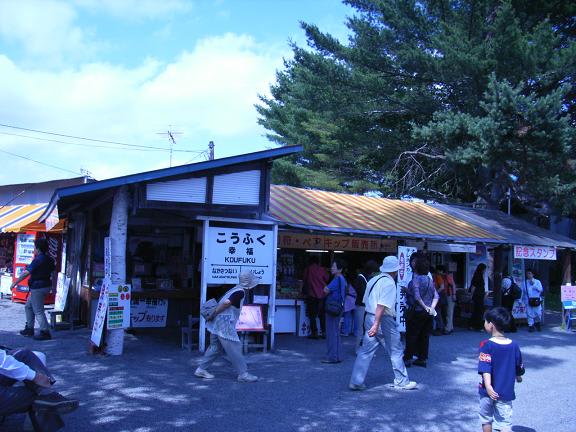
(192, 190)
(241, 188)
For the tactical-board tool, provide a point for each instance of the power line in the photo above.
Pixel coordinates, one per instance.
(79, 144)
(93, 139)
(38, 162)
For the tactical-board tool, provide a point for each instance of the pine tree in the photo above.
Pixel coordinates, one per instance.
(434, 98)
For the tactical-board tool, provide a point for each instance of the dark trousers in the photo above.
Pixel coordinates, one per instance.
(315, 309)
(418, 329)
(477, 319)
(19, 399)
(508, 303)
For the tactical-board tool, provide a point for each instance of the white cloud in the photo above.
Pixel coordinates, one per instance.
(208, 93)
(44, 28)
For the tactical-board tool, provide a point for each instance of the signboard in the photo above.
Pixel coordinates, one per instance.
(232, 250)
(404, 278)
(344, 243)
(535, 252)
(100, 317)
(519, 308)
(568, 293)
(250, 318)
(443, 247)
(148, 312)
(119, 306)
(62, 285)
(25, 248)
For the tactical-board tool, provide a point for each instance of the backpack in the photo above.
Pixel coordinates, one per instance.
(515, 291)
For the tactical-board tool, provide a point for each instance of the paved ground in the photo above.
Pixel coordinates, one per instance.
(151, 387)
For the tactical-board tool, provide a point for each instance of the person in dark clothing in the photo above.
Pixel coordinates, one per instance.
(36, 395)
(478, 291)
(422, 298)
(315, 279)
(40, 283)
(359, 283)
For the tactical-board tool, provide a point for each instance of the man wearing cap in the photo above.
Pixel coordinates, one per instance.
(381, 328)
(223, 333)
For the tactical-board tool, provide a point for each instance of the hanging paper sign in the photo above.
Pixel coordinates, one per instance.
(535, 253)
(232, 250)
(119, 306)
(100, 317)
(62, 287)
(568, 293)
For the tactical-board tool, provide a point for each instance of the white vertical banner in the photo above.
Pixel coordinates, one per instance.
(100, 318)
(108, 258)
(404, 278)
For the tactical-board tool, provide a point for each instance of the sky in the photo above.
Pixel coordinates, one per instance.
(129, 71)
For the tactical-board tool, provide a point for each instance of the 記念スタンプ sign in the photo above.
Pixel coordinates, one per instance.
(232, 250)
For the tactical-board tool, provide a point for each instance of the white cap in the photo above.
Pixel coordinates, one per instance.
(390, 264)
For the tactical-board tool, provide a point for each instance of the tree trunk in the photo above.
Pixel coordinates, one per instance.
(118, 235)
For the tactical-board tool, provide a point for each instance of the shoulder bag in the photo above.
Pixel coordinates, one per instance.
(335, 307)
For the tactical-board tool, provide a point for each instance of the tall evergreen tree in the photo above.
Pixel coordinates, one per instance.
(435, 98)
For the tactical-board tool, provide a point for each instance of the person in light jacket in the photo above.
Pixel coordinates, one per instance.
(223, 333)
(534, 291)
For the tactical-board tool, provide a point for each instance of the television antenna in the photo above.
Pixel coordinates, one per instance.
(171, 135)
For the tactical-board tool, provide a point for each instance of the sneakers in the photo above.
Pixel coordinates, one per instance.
(28, 332)
(203, 373)
(43, 335)
(410, 386)
(247, 378)
(55, 401)
(327, 361)
(357, 387)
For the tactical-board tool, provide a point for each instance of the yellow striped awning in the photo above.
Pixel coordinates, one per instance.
(14, 217)
(339, 212)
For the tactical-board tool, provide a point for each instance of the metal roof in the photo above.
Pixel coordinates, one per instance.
(168, 172)
(339, 212)
(513, 230)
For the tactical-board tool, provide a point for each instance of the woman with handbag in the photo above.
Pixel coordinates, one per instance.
(422, 299)
(534, 291)
(334, 307)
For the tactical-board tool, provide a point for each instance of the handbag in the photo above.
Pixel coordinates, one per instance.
(534, 301)
(334, 307)
(207, 308)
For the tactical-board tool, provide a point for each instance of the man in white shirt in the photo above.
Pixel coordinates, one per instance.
(534, 310)
(381, 328)
(36, 395)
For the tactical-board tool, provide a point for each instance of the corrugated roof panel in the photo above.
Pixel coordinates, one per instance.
(329, 210)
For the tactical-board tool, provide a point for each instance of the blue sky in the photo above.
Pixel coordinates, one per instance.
(126, 70)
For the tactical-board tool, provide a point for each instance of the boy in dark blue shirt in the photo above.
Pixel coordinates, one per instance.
(499, 364)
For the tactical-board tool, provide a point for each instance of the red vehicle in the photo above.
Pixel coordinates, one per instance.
(24, 254)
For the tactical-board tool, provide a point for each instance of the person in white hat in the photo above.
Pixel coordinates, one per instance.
(223, 333)
(381, 328)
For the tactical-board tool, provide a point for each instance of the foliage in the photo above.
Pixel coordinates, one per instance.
(434, 98)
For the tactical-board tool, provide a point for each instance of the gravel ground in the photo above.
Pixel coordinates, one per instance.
(151, 388)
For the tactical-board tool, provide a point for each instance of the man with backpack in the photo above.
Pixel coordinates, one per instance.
(510, 293)
(381, 328)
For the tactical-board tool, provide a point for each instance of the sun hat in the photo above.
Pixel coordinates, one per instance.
(389, 265)
(247, 280)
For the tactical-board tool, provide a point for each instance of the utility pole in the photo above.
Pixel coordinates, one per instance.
(211, 150)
